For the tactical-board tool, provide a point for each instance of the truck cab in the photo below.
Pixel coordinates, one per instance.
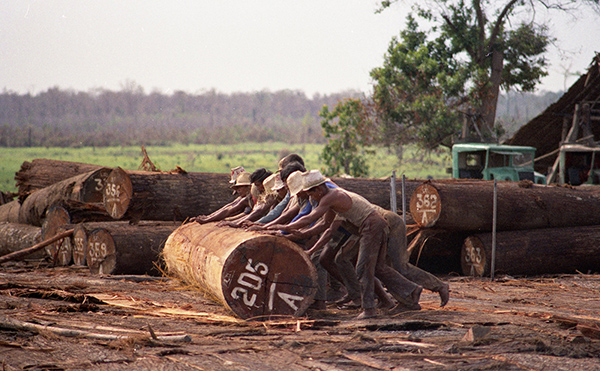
(579, 164)
(494, 161)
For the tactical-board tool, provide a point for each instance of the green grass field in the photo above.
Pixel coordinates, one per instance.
(219, 159)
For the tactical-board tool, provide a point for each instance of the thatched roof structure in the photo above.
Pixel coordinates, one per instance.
(546, 131)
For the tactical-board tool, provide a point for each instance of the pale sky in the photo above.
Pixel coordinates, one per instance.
(316, 46)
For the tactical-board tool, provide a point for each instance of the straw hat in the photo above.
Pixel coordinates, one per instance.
(312, 179)
(295, 182)
(243, 179)
(273, 182)
(235, 172)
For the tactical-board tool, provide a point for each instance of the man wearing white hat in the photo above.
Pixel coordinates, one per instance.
(337, 205)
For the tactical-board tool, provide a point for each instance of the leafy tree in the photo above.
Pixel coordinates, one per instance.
(430, 80)
(346, 133)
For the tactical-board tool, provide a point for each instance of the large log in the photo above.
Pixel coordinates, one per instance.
(15, 237)
(253, 275)
(41, 173)
(122, 248)
(9, 212)
(534, 252)
(83, 188)
(468, 206)
(143, 195)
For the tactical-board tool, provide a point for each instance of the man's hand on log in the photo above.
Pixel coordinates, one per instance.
(200, 219)
(279, 227)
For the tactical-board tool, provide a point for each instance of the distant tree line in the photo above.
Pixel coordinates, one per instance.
(67, 118)
(100, 117)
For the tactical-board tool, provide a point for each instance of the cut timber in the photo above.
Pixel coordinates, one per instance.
(79, 245)
(56, 219)
(30, 250)
(84, 188)
(534, 252)
(122, 248)
(9, 212)
(15, 237)
(468, 205)
(41, 173)
(253, 275)
(143, 195)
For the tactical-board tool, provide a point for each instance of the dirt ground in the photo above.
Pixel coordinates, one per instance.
(68, 319)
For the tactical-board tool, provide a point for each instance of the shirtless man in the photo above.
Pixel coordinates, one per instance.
(336, 205)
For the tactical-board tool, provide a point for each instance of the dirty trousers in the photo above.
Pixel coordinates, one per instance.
(371, 263)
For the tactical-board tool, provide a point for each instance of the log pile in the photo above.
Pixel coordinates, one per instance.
(61, 195)
(540, 229)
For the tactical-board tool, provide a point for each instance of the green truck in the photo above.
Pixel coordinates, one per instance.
(494, 161)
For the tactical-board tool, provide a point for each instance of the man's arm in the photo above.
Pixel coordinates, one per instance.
(233, 208)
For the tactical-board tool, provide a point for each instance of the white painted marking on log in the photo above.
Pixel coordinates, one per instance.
(272, 295)
(290, 299)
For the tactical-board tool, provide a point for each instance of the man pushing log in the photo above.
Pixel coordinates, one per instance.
(336, 205)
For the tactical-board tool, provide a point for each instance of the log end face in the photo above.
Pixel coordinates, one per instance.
(268, 276)
(473, 257)
(101, 253)
(118, 192)
(425, 205)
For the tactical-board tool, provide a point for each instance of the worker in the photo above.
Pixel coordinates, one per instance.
(241, 205)
(336, 205)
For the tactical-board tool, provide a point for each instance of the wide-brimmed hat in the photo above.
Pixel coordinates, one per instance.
(312, 179)
(273, 182)
(243, 179)
(295, 182)
(235, 172)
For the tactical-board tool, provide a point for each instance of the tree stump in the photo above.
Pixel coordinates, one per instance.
(252, 274)
(533, 252)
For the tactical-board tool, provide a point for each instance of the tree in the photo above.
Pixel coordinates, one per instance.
(429, 79)
(346, 133)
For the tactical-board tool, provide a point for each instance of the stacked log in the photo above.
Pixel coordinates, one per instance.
(533, 223)
(143, 195)
(13, 237)
(253, 275)
(41, 173)
(533, 252)
(114, 247)
(84, 188)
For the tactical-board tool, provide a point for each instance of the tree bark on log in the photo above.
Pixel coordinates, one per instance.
(143, 195)
(252, 274)
(377, 191)
(41, 173)
(9, 212)
(122, 248)
(534, 252)
(84, 188)
(15, 237)
(468, 205)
